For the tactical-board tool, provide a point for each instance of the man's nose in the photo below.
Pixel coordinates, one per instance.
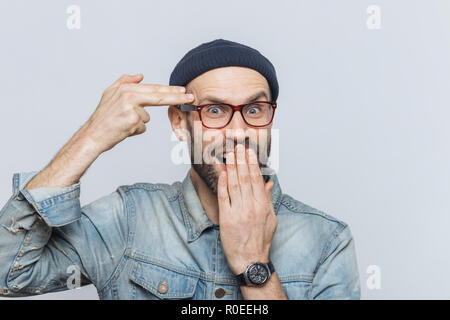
(237, 122)
(237, 128)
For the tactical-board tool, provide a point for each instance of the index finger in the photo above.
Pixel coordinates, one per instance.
(162, 98)
(255, 174)
(150, 87)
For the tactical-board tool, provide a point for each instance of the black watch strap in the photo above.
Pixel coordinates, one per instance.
(271, 267)
(241, 277)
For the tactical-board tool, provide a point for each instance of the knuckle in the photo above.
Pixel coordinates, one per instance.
(133, 131)
(127, 95)
(127, 110)
(159, 98)
(234, 188)
(254, 177)
(133, 118)
(245, 178)
(222, 196)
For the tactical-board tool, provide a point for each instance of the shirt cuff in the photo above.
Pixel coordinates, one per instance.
(56, 206)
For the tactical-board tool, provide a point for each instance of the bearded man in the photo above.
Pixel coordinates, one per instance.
(225, 232)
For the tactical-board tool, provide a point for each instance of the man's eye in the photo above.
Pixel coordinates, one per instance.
(215, 110)
(253, 109)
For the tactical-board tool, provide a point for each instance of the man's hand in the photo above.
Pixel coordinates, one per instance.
(246, 216)
(120, 113)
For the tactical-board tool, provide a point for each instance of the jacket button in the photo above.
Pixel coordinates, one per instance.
(220, 293)
(163, 288)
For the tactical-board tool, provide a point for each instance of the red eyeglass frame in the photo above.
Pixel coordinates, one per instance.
(190, 107)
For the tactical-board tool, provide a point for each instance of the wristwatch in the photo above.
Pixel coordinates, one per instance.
(256, 274)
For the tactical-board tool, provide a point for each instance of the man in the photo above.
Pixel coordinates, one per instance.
(225, 232)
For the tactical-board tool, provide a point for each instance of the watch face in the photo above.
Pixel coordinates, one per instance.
(257, 273)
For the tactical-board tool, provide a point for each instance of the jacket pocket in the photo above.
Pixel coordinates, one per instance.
(296, 287)
(153, 281)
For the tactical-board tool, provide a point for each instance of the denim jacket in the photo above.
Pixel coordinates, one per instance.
(154, 241)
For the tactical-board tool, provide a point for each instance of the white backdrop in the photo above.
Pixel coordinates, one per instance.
(362, 112)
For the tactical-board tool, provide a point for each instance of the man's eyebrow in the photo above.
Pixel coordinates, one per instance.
(212, 99)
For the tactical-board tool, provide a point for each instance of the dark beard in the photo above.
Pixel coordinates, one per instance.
(206, 171)
(208, 175)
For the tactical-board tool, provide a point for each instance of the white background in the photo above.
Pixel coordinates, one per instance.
(362, 113)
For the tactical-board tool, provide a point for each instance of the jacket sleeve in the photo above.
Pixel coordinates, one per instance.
(47, 238)
(337, 275)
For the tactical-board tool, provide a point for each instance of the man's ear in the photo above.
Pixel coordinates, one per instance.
(178, 121)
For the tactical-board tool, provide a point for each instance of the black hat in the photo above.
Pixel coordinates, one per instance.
(222, 53)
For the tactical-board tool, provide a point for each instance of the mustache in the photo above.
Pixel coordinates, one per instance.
(220, 149)
(219, 152)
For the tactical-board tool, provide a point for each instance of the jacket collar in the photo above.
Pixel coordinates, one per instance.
(195, 218)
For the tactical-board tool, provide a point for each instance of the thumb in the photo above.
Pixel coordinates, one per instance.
(268, 187)
(127, 78)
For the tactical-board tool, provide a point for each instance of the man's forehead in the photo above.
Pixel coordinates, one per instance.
(246, 97)
(229, 84)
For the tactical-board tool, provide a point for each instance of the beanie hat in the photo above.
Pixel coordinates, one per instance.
(222, 53)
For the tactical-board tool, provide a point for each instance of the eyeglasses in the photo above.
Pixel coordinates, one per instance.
(219, 115)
